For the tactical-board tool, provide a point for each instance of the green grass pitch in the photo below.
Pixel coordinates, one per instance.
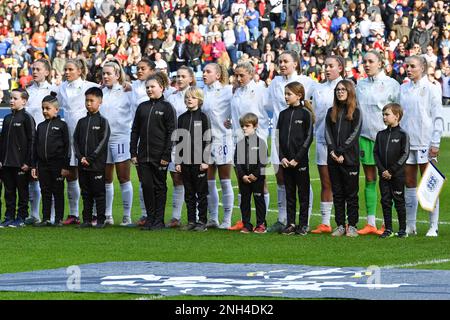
(29, 248)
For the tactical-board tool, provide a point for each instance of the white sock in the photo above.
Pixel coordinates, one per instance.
(127, 197)
(239, 200)
(371, 220)
(411, 206)
(177, 201)
(109, 187)
(73, 193)
(267, 200)
(52, 211)
(94, 211)
(35, 197)
(142, 202)
(282, 213)
(227, 199)
(311, 200)
(213, 200)
(325, 210)
(434, 217)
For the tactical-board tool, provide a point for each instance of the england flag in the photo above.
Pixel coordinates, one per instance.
(430, 187)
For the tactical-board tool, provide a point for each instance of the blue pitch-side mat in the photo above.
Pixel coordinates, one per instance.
(275, 280)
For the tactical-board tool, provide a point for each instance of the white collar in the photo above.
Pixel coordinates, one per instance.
(380, 76)
(333, 83)
(216, 85)
(290, 77)
(76, 83)
(42, 85)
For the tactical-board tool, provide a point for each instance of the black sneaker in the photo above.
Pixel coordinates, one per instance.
(401, 234)
(85, 225)
(302, 230)
(100, 225)
(289, 230)
(58, 224)
(189, 227)
(387, 234)
(45, 223)
(148, 225)
(200, 227)
(157, 226)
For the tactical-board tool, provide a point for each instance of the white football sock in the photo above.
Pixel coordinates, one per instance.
(282, 213)
(109, 196)
(142, 202)
(52, 211)
(213, 201)
(267, 200)
(127, 198)
(325, 210)
(177, 201)
(34, 192)
(371, 220)
(434, 217)
(73, 193)
(411, 206)
(311, 200)
(227, 199)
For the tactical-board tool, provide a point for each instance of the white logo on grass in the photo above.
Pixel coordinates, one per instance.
(74, 280)
(374, 277)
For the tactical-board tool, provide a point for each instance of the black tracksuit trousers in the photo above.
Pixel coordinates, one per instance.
(153, 181)
(345, 187)
(195, 192)
(393, 190)
(92, 184)
(257, 189)
(16, 183)
(296, 180)
(52, 186)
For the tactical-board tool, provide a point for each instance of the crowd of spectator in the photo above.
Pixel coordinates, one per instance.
(196, 32)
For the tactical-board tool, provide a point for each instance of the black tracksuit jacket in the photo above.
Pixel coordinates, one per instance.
(391, 150)
(250, 157)
(90, 140)
(52, 147)
(199, 127)
(295, 134)
(17, 139)
(343, 137)
(151, 133)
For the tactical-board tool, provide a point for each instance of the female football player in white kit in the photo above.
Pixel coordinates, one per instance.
(72, 101)
(422, 104)
(39, 88)
(373, 93)
(216, 105)
(185, 79)
(323, 98)
(288, 63)
(118, 109)
(249, 97)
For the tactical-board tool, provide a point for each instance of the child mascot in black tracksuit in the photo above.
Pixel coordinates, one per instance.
(151, 147)
(250, 159)
(90, 144)
(391, 151)
(295, 135)
(51, 160)
(342, 129)
(192, 157)
(16, 150)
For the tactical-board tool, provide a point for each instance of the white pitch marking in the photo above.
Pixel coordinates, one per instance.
(417, 263)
